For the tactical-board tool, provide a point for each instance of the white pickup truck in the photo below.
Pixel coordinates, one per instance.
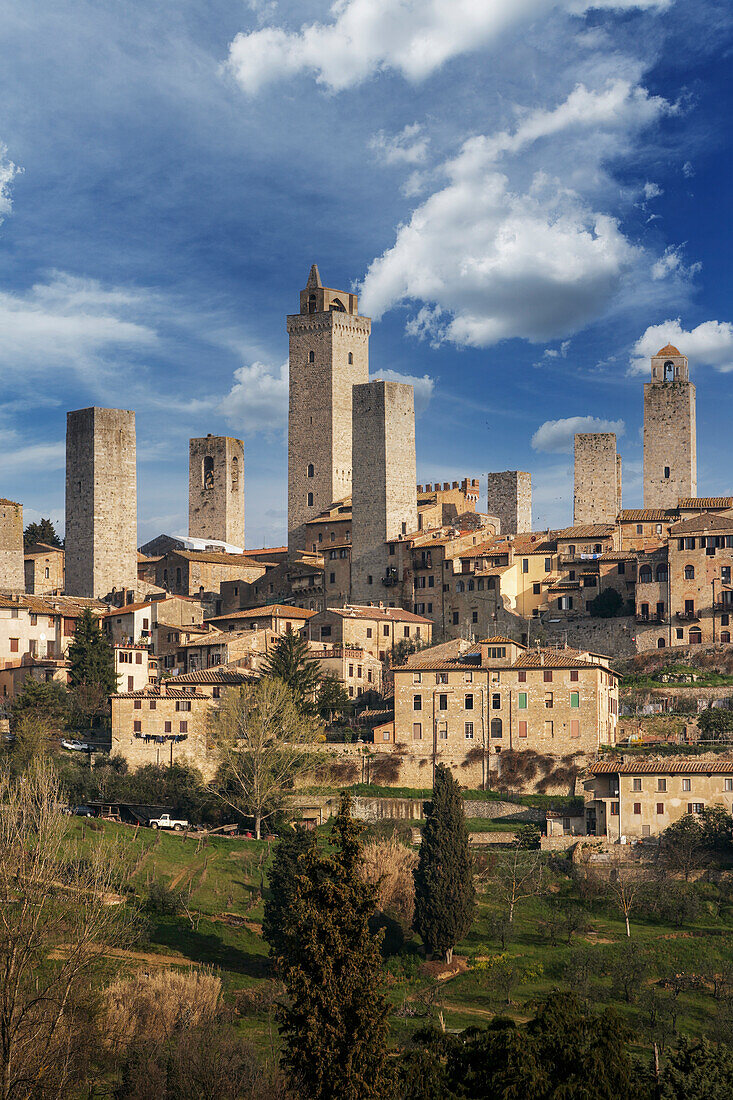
(165, 821)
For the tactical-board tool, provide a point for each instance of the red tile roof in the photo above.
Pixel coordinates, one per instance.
(392, 614)
(668, 349)
(668, 766)
(273, 610)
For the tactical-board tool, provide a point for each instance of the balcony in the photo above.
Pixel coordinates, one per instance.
(422, 563)
(688, 616)
(650, 618)
(723, 605)
(390, 577)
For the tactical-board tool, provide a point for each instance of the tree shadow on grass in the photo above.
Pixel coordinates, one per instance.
(210, 949)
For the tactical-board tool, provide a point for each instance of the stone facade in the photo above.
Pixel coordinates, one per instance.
(44, 570)
(510, 498)
(131, 666)
(376, 630)
(384, 492)
(101, 502)
(597, 496)
(12, 574)
(670, 431)
(216, 489)
(329, 354)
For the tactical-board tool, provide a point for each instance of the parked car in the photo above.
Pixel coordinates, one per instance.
(83, 811)
(76, 746)
(165, 821)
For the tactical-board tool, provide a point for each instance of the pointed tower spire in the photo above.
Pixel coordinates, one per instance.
(314, 279)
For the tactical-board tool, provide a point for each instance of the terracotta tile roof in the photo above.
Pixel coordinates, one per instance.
(219, 675)
(12, 503)
(500, 639)
(70, 606)
(127, 608)
(557, 658)
(273, 610)
(646, 515)
(390, 614)
(442, 651)
(668, 349)
(263, 550)
(41, 549)
(705, 524)
(563, 586)
(668, 766)
(214, 558)
(586, 531)
(705, 502)
(155, 692)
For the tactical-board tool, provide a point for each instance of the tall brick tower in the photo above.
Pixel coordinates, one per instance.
(101, 502)
(12, 570)
(329, 354)
(216, 489)
(509, 497)
(597, 496)
(384, 495)
(670, 431)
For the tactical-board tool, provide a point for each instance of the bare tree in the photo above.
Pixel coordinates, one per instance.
(265, 743)
(59, 911)
(626, 883)
(516, 876)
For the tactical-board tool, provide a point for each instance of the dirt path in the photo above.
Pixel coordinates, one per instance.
(134, 956)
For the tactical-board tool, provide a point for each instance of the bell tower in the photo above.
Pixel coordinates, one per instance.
(329, 355)
(670, 431)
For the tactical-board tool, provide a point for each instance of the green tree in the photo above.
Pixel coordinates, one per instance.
(31, 740)
(332, 699)
(91, 668)
(683, 845)
(41, 532)
(290, 662)
(697, 1070)
(445, 897)
(277, 921)
(717, 827)
(265, 742)
(607, 605)
(48, 701)
(716, 724)
(529, 838)
(334, 1024)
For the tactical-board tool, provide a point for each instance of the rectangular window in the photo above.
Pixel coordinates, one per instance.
(153, 704)
(548, 700)
(183, 727)
(574, 728)
(729, 784)
(417, 702)
(442, 731)
(548, 565)
(167, 727)
(385, 630)
(441, 677)
(536, 588)
(417, 731)
(137, 705)
(468, 677)
(496, 701)
(614, 809)
(417, 677)
(547, 676)
(636, 785)
(351, 670)
(14, 642)
(695, 807)
(637, 807)
(138, 658)
(662, 785)
(523, 700)
(660, 807)
(137, 727)
(574, 699)
(686, 784)
(573, 675)
(469, 702)
(525, 565)
(522, 729)
(454, 618)
(474, 616)
(522, 676)
(442, 702)
(468, 730)
(549, 730)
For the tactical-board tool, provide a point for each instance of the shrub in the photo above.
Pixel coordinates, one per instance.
(389, 865)
(163, 901)
(155, 1005)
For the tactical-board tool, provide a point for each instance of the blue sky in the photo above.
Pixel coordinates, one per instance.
(531, 197)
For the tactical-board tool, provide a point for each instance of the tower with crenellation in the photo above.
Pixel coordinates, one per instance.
(670, 431)
(329, 355)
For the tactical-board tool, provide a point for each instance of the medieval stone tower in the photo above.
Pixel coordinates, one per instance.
(329, 354)
(384, 493)
(12, 570)
(510, 498)
(670, 431)
(216, 489)
(597, 496)
(101, 502)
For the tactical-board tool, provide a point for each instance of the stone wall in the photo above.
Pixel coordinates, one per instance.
(611, 637)
(101, 501)
(216, 489)
(597, 477)
(670, 442)
(510, 498)
(12, 571)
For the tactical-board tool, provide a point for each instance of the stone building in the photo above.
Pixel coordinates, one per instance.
(132, 667)
(670, 431)
(329, 354)
(497, 697)
(101, 502)
(376, 630)
(201, 572)
(245, 648)
(216, 489)
(35, 634)
(12, 576)
(700, 557)
(384, 493)
(597, 497)
(358, 671)
(510, 498)
(44, 570)
(638, 798)
(135, 623)
(449, 502)
(277, 618)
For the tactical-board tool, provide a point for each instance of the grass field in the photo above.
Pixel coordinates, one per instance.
(222, 881)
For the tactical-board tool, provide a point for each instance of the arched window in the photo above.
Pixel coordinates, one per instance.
(695, 636)
(496, 727)
(207, 472)
(669, 371)
(310, 500)
(235, 473)
(338, 306)
(725, 635)
(662, 573)
(661, 643)
(689, 572)
(311, 357)
(459, 586)
(351, 357)
(311, 470)
(311, 303)
(645, 574)
(178, 576)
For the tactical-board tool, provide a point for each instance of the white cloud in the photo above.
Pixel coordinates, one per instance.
(557, 436)
(687, 170)
(409, 147)
(413, 37)
(710, 344)
(17, 456)
(672, 263)
(423, 387)
(8, 172)
(652, 190)
(258, 400)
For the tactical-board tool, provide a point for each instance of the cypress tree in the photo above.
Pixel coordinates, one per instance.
(91, 666)
(335, 1022)
(277, 920)
(445, 896)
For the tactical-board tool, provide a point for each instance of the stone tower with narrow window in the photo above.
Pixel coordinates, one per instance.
(384, 498)
(12, 571)
(101, 502)
(216, 489)
(329, 354)
(670, 432)
(597, 497)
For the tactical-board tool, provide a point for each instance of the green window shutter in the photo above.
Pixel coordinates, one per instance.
(574, 699)
(523, 700)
